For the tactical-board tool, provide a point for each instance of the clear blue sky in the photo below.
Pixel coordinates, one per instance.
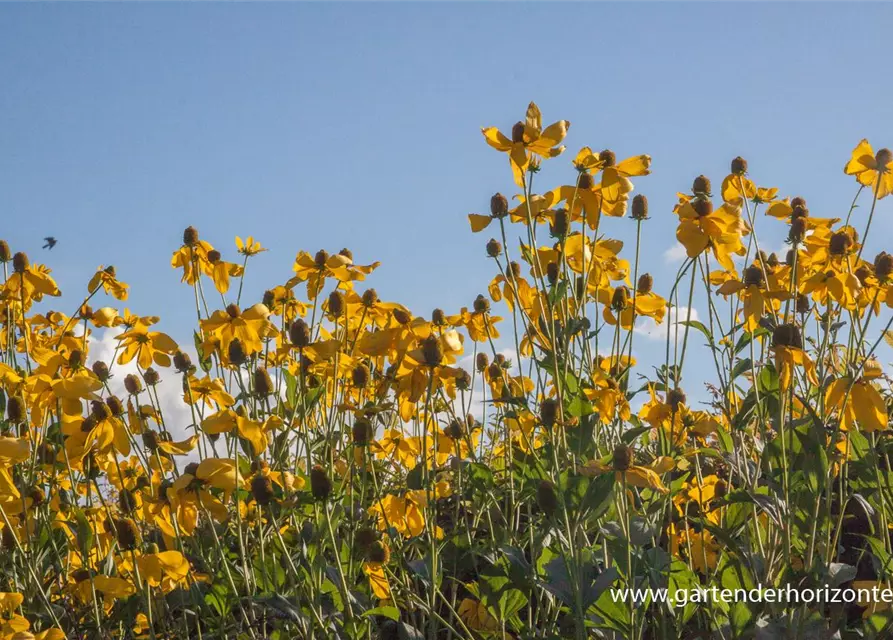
(358, 125)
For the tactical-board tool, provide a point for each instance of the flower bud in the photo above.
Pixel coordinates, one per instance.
(494, 248)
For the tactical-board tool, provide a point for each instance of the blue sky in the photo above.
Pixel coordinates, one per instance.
(330, 125)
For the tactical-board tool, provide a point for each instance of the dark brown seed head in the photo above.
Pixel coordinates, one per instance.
(701, 186)
(883, 266)
(739, 166)
(320, 258)
(100, 410)
(236, 353)
(883, 157)
(518, 132)
(499, 206)
(362, 431)
(787, 335)
(299, 333)
(455, 429)
(150, 440)
(803, 304)
(126, 533)
(560, 223)
(721, 489)
(46, 453)
(586, 181)
(115, 405)
(494, 371)
(463, 380)
(127, 501)
(863, 273)
(482, 361)
(320, 485)
(213, 256)
(438, 318)
(608, 158)
(336, 303)
(370, 297)
(20, 262)
(639, 209)
(702, 207)
(547, 498)
(675, 398)
(514, 270)
(133, 384)
(401, 316)
(182, 362)
(263, 384)
(76, 359)
(432, 351)
(494, 248)
(481, 304)
(85, 312)
(548, 412)
(623, 457)
(190, 236)
(233, 311)
(645, 283)
(5, 254)
(262, 489)
(840, 243)
(363, 539)
(797, 232)
(798, 201)
(101, 369)
(360, 376)
(346, 253)
(620, 299)
(753, 276)
(151, 376)
(552, 272)
(772, 260)
(378, 552)
(15, 410)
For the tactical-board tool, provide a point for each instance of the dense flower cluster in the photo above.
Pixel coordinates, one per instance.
(341, 475)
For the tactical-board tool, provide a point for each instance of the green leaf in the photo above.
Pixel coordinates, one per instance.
(694, 324)
(203, 360)
(388, 612)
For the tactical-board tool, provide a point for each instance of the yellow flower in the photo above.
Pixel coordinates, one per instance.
(250, 246)
(701, 227)
(146, 346)
(106, 278)
(528, 139)
(857, 402)
(871, 169)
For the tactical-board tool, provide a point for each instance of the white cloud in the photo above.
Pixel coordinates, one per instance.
(674, 254)
(650, 329)
(177, 415)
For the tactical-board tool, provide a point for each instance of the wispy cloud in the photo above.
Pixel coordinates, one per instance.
(674, 254)
(650, 329)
